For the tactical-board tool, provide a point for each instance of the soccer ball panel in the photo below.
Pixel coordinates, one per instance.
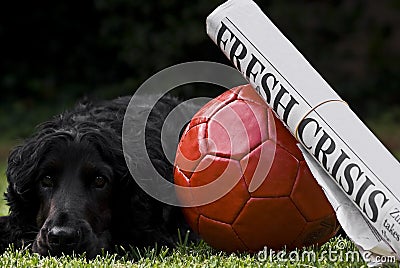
(248, 94)
(257, 163)
(285, 139)
(281, 175)
(220, 235)
(213, 169)
(210, 108)
(191, 149)
(247, 132)
(316, 232)
(305, 191)
(192, 216)
(271, 222)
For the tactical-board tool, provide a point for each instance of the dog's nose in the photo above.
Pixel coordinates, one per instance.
(62, 236)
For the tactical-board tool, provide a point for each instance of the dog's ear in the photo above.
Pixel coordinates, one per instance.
(21, 173)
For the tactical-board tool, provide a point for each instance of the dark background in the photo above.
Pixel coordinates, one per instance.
(55, 52)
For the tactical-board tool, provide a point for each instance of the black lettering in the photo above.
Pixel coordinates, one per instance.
(367, 183)
(264, 85)
(302, 126)
(252, 63)
(232, 55)
(373, 204)
(289, 106)
(221, 32)
(349, 179)
(395, 214)
(234, 49)
(318, 149)
(343, 156)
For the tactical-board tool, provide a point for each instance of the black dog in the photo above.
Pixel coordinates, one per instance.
(70, 189)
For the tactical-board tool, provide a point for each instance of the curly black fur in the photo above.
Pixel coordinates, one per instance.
(102, 206)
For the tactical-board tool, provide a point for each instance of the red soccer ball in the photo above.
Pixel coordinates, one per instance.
(236, 145)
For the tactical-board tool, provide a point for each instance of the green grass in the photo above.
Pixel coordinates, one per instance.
(198, 255)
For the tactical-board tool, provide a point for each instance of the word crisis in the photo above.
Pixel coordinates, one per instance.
(333, 156)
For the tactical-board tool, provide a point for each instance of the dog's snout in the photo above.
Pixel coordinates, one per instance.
(63, 236)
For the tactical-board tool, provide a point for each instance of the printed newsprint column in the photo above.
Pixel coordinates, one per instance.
(323, 123)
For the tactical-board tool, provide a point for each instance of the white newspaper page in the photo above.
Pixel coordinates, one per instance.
(366, 238)
(362, 168)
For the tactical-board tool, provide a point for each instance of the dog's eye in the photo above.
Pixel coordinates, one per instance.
(47, 181)
(99, 181)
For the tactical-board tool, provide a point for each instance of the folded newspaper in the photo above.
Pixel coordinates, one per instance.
(359, 175)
